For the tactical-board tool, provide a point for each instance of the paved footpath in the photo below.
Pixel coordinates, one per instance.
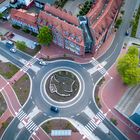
(54, 51)
(5, 116)
(13, 102)
(110, 93)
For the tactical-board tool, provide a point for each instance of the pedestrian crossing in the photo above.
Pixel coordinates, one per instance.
(30, 126)
(92, 125)
(97, 67)
(28, 64)
(21, 115)
(100, 116)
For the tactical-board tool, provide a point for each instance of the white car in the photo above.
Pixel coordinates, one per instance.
(13, 50)
(43, 63)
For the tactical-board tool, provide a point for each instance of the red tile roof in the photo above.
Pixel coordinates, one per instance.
(105, 20)
(62, 14)
(23, 16)
(95, 10)
(62, 26)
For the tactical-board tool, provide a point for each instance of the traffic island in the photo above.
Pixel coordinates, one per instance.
(3, 105)
(22, 88)
(62, 86)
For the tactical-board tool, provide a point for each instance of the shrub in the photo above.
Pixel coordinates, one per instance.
(114, 121)
(16, 26)
(34, 34)
(26, 30)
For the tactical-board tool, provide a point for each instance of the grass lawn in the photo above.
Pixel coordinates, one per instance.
(32, 52)
(22, 88)
(7, 70)
(3, 105)
(4, 125)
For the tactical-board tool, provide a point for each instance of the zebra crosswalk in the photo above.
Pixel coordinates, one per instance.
(31, 126)
(28, 64)
(21, 115)
(92, 125)
(100, 116)
(97, 67)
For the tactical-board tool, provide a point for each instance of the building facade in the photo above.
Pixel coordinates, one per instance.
(78, 34)
(25, 20)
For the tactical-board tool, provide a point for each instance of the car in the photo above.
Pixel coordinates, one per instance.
(13, 50)
(54, 109)
(36, 44)
(43, 63)
(9, 44)
(127, 33)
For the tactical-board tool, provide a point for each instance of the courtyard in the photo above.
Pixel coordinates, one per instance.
(73, 6)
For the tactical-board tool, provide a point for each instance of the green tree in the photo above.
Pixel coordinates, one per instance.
(128, 67)
(133, 51)
(45, 36)
(132, 76)
(1, 15)
(21, 45)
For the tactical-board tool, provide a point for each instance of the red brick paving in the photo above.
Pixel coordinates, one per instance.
(54, 51)
(110, 93)
(16, 77)
(5, 116)
(10, 96)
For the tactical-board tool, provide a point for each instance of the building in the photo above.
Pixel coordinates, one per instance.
(129, 105)
(83, 34)
(23, 19)
(41, 3)
(16, 3)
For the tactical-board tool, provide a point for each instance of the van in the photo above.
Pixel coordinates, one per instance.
(9, 44)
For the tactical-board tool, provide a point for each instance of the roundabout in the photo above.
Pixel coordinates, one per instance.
(62, 86)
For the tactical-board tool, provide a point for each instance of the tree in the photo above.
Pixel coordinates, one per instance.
(132, 76)
(1, 15)
(128, 67)
(45, 36)
(133, 51)
(21, 45)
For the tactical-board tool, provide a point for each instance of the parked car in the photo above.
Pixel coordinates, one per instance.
(13, 50)
(36, 44)
(54, 109)
(9, 44)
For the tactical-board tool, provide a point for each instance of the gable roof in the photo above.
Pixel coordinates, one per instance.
(23, 16)
(69, 31)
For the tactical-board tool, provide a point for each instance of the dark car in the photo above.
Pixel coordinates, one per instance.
(9, 44)
(54, 109)
(127, 33)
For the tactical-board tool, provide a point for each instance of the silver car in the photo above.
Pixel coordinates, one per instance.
(13, 50)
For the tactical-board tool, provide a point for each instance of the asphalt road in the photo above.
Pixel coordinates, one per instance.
(36, 98)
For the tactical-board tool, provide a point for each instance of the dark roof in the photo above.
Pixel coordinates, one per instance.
(136, 118)
(46, 1)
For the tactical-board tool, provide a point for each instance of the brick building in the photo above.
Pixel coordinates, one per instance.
(78, 34)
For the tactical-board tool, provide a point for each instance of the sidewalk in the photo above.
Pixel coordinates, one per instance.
(10, 96)
(110, 93)
(54, 51)
(5, 116)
